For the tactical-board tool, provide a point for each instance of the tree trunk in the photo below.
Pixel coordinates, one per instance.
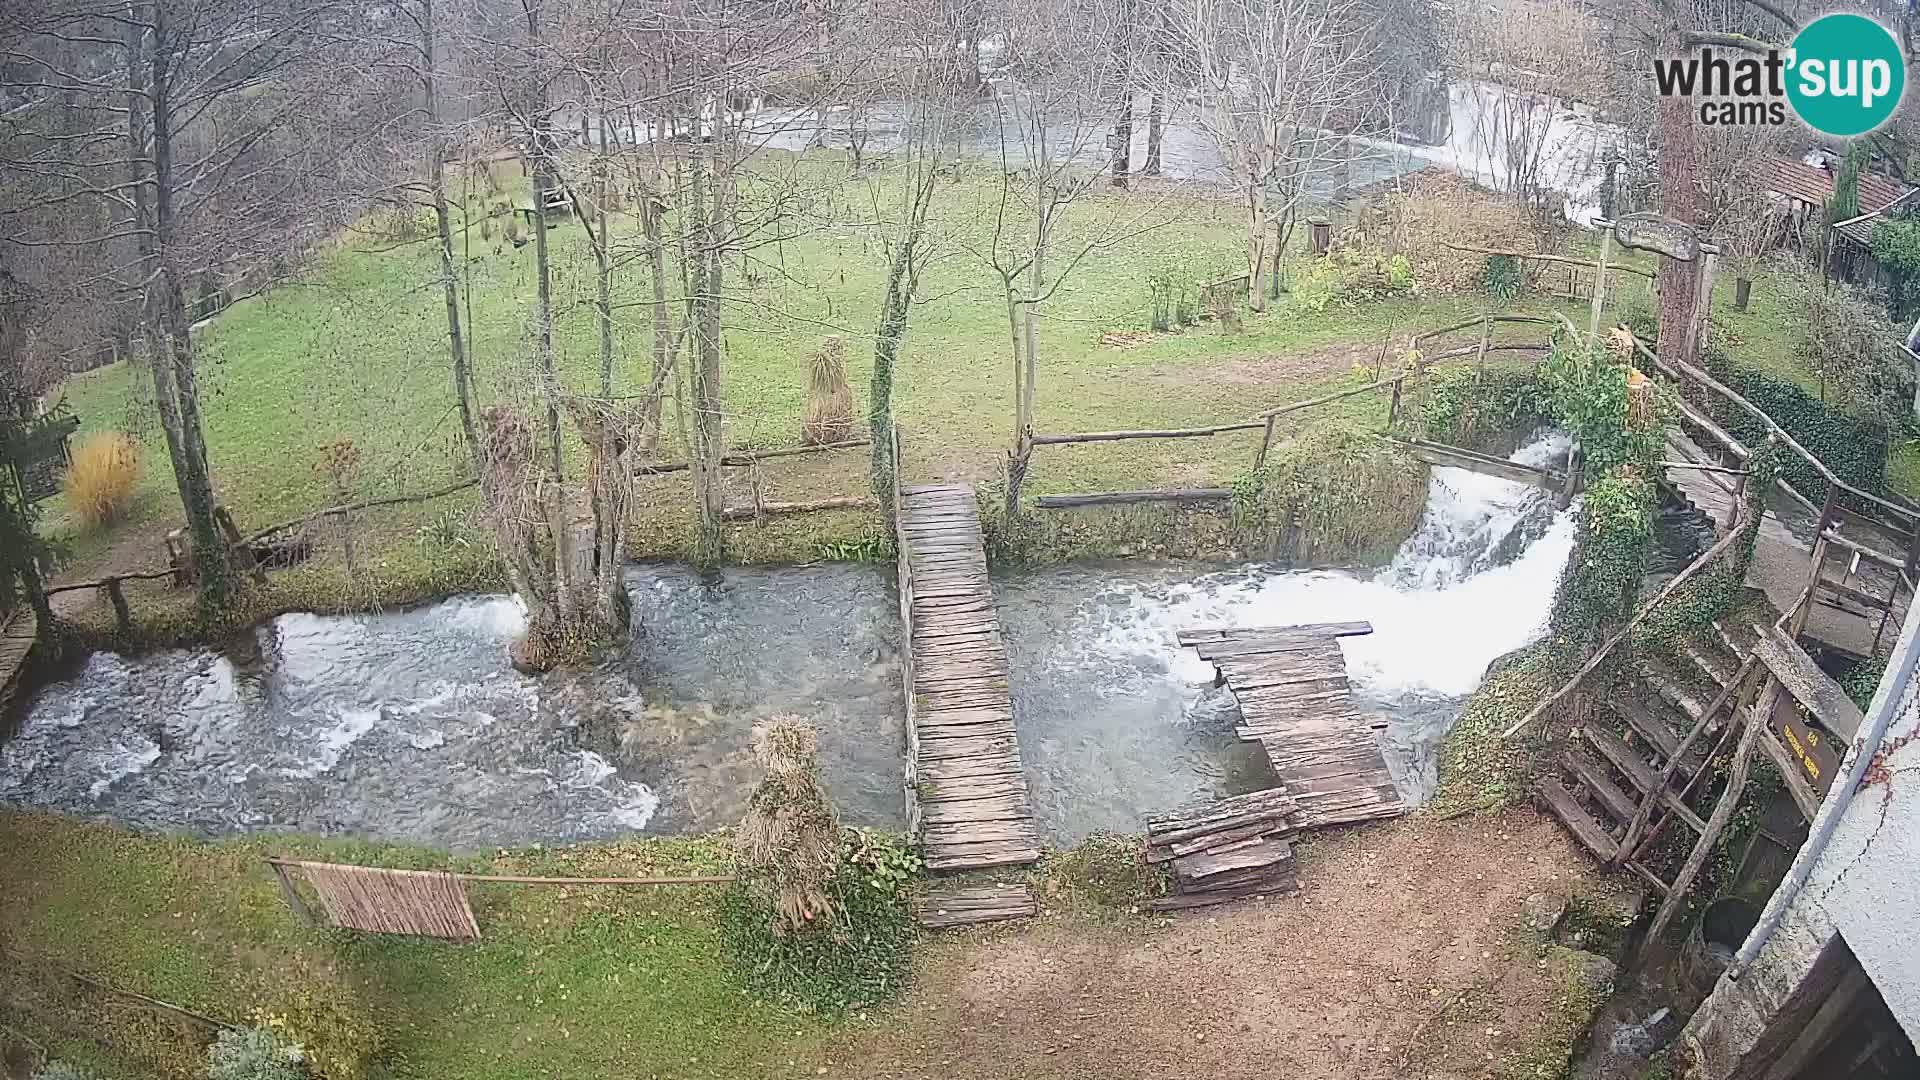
(709, 442)
(177, 395)
(1154, 110)
(443, 222)
(1742, 292)
(886, 352)
(1679, 281)
(563, 596)
(1256, 243)
(603, 264)
(1026, 343)
(1123, 140)
(651, 213)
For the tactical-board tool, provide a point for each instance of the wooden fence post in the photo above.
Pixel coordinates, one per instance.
(1266, 439)
(122, 615)
(759, 493)
(1819, 558)
(291, 894)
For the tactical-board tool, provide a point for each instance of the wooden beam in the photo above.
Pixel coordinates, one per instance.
(1113, 498)
(1453, 457)
(1543, 257)
(1809, 685)
(838, 502)
(1638, 825)
(1171, 433)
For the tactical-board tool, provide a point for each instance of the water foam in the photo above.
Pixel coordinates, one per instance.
(1474, 582)
(333, 742)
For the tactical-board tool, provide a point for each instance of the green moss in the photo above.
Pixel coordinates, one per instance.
(1332, 497)
(1582, 984)
(1480, 771)
(1105, 873)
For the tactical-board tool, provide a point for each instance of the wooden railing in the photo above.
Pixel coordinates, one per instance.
(1267, 421)
(761, 508)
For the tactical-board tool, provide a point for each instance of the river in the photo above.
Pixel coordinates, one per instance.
(409, 726)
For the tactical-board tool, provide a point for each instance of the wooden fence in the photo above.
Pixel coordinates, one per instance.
(760, 508)
(425, 903)
(1267, 422)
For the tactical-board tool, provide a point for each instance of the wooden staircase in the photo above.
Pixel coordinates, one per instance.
(1638, 764)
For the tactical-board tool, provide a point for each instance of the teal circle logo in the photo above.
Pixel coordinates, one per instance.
(1845, 74)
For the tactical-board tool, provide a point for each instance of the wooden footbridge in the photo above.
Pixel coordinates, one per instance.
(966, 794)
(1291, 685)
(16, 641)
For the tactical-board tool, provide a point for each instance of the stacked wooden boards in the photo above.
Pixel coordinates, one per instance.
(967, 796)
(1241, 846)
(16, 641)
(1291, 684)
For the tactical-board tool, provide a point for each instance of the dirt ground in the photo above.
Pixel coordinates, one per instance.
(1404, 956)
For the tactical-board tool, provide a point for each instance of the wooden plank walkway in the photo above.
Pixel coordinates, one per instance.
(1291, 683)
(16, 641)
(966, 792)
(959, 903)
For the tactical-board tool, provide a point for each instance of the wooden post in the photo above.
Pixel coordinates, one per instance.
(1599, 284)
(238, 547)
(1722, 813)
(1819, 558)
(1480, 357)
(759, 494)
(1266, 439)
(1739, 500)
(122, 615)
(1393, 408)
(290, 894)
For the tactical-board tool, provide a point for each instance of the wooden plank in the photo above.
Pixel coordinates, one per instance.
(1196, 635)
(954, 905)
(1810, 686)
(1580, 823)
(1639, 772)
(1605, 792)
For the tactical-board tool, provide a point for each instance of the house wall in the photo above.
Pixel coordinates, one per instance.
(1865, 886)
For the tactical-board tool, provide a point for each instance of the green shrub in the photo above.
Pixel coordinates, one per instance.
(1602, 580)
(1332, 496)
(860, 955)
(1468, 407)
(1616, 424)
(1863, 680)
(255, 1053)
(1504, 277)
(60, 1070)
(1636, 311)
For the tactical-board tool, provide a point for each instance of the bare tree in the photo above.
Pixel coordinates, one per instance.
(210, 130)
(1066, 64)
(1277, 79)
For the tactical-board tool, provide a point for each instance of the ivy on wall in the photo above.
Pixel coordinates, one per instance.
(1855, 449)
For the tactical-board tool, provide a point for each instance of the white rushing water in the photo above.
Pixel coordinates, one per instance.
(1473, 583)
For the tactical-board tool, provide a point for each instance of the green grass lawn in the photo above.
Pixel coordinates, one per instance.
(612, 983)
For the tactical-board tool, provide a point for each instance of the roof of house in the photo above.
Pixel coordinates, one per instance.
(1813, 184)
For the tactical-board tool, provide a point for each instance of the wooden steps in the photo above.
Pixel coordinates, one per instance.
(1591, 834)
(968, 794)
(1643, 776)
(1593, 776)
(953, 904)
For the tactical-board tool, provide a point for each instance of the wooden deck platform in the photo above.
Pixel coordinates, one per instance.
(1291, 683)
(16, 641)
(967, 797)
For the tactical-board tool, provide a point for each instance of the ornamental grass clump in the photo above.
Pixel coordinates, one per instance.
(788, 844)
